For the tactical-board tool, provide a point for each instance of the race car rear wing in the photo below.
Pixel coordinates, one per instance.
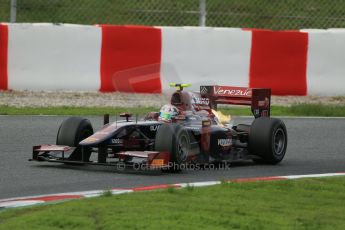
(258, 99)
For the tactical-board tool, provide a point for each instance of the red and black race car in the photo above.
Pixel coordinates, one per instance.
(189, 130)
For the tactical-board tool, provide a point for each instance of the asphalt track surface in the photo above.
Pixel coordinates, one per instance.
(316, 145)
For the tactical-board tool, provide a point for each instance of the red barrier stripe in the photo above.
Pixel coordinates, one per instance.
(279, 61)
(3, 57)
(130, 59)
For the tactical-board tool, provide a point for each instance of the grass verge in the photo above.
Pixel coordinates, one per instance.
(293, 110)
(292, 204)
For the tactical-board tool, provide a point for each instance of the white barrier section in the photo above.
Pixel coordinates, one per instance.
(205, 56)
(53, 57)
(325, 65)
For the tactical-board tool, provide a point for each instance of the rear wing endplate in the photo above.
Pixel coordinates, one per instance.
(258, 99)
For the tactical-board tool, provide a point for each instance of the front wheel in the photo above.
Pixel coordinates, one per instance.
(71, 132)
(268, 140)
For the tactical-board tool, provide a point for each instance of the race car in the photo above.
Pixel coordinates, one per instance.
(188, 130)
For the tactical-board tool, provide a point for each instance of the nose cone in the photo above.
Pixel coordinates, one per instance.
(106, 132)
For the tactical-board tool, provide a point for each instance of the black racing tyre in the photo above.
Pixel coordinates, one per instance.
(268, 140)
(71, 132)
(174, 139)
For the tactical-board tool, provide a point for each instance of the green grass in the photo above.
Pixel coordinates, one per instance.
(294, 110)
(287, 14)
(7, 110)
(291, 204)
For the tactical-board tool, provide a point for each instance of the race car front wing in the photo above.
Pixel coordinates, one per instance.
(144, 159)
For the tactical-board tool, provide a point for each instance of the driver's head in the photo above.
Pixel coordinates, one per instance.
(167, 113)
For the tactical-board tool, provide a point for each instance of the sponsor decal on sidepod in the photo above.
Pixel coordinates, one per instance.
(225, 142)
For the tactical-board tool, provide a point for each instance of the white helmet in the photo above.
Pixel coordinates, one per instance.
(167, 112)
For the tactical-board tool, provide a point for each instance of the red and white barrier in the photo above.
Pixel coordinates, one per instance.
(205, 56)
(46, 57)
(326, 55)
(279, 61)
(130, 59)
(144, 59)
(3, 57)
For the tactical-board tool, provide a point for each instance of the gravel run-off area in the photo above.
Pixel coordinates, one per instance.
(96, 99)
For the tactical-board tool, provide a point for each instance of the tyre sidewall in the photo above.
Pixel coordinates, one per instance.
(261, 139)
(73, 130)
(167, 139)
(181, 135)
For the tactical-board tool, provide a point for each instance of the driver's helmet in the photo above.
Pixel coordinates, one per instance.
(167, 113)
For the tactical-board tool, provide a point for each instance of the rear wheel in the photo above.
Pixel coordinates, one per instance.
(71, 132)
(174, 139)
(268, 140)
